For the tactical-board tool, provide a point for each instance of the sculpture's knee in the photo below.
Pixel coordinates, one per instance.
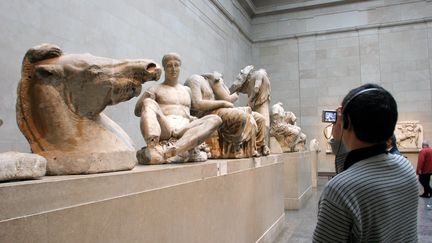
(258, 117)
(242, 115)
(214, 120)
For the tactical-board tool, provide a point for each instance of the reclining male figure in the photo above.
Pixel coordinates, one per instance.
(211, 96)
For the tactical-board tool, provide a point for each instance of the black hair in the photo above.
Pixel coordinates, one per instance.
(372, 113)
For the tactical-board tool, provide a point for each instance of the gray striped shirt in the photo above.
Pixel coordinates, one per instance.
(374, 200)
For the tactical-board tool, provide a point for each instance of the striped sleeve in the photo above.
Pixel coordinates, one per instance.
(334, 223)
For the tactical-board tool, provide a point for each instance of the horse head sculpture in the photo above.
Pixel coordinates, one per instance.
(60, 102)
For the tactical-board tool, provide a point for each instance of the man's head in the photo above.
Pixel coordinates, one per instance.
(171, 63)
(371, 111)
(170, 56)
(425, 144)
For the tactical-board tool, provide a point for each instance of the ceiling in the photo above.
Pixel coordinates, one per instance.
(266, 3)
(267, 7)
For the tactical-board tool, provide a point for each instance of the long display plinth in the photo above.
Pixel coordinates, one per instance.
(297, 179)
(238, 200)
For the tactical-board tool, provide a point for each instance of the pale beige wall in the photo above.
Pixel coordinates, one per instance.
(324, 53)
(203, 33)
(313, 57)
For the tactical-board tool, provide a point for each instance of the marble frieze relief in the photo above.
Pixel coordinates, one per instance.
(409, 135)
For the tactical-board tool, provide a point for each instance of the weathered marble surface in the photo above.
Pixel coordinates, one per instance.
(60, 102)
(256, 84)
(284, 129)
(169, 130)
(242, 133)
(20, 166)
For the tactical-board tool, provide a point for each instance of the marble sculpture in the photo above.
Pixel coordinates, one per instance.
(59, 108)
(284, 129)
(242, 133)
(169, 130)
(21, 166)
(256, 84)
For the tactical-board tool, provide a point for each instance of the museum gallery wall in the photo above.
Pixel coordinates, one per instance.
(312, 57)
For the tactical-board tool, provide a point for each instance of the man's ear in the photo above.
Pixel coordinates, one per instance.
(346, 125)
(49, 71)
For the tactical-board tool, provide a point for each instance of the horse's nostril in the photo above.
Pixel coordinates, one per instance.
(133, 89)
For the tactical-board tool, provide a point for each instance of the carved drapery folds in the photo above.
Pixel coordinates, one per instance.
(242, 133)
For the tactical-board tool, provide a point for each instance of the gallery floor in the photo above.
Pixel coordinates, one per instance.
(299, 224)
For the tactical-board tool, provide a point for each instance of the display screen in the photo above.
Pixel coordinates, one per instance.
(329, 116)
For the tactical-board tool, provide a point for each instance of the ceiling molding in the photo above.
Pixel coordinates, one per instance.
(287, 7)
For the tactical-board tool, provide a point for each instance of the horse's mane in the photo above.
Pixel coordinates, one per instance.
(24, 92)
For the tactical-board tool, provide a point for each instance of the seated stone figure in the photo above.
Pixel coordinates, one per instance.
(256, 84)
(59, 108)
(242, 133)
(171, 133)
(284, 129)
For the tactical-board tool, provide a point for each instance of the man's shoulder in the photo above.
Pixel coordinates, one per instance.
(192, 79)
(154, 88)
(340, 184)
(183, 88)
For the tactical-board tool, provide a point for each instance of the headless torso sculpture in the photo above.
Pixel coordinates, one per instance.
(242, 133)
(256, 84)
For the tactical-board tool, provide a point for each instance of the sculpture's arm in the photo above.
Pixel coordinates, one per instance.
(139, 104)
(261, 90)
(222, 92)
(198, 103)
(258, 81)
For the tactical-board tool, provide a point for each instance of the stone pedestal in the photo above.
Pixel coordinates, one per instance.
(297, 181)
(238, 200)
